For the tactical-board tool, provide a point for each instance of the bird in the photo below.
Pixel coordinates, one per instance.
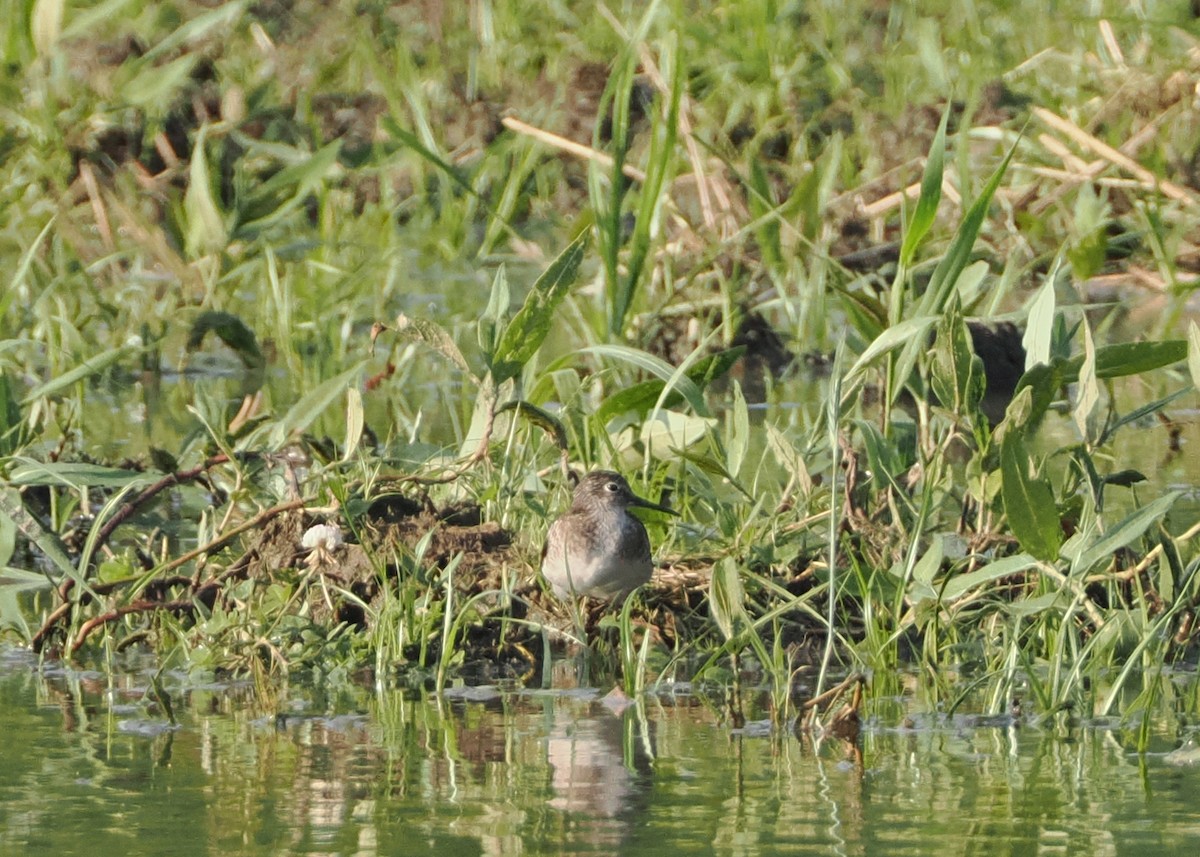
(597, 548)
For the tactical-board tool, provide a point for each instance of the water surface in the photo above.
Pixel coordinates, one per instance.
(88, 766)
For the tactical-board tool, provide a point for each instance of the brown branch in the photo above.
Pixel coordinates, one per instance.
(834, 692)
(1148, 560)
(182, 605)
(57, 615)
(219, 542)
(171, 479)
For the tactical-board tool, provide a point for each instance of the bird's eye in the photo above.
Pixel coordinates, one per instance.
(612, 487)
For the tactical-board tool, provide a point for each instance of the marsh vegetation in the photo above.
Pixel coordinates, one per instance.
(310, 312)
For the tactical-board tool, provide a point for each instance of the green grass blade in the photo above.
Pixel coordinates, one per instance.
(931, 196)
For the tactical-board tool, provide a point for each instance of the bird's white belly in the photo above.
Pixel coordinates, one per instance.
(600, 573)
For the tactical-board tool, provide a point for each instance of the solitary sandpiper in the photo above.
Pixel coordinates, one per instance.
(598, 548)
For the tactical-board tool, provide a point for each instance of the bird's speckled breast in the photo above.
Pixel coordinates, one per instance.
(588, 558)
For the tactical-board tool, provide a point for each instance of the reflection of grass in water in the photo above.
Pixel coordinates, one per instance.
(220, 172)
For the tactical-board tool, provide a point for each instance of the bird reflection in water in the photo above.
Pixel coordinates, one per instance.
(600, 760)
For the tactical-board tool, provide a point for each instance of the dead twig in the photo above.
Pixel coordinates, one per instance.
(579, 150)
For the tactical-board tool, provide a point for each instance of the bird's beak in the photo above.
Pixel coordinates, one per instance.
(646, 504)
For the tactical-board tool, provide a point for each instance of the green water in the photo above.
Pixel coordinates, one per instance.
(88, 767)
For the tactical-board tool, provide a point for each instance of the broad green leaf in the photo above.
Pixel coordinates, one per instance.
(1170, 568)
(1132, 358)
(739, 431)
(1039, 330)
(1088, 398)
(970, 283)
(489, 331)
(956, 372)
(1044, 382)
(960, 584)
(670, 431)
(867, 314)
(930, 563)
(51, 546)
(1034, 606)
(1193, 353)
(654, 365)
(482, 416)
(541, 418)
(310, 406)
(22, 579)
(789, 459)
(232, 331)
(727, 599)
(8, 539)
(640, 398)
(1136, 523)
(73, 474)
(681, 371)
(91, 366)
(12, 616)
(893, 337)
(355, 420)
(526, 331)
(885, 461)
(1028, 501)
(205, 228)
